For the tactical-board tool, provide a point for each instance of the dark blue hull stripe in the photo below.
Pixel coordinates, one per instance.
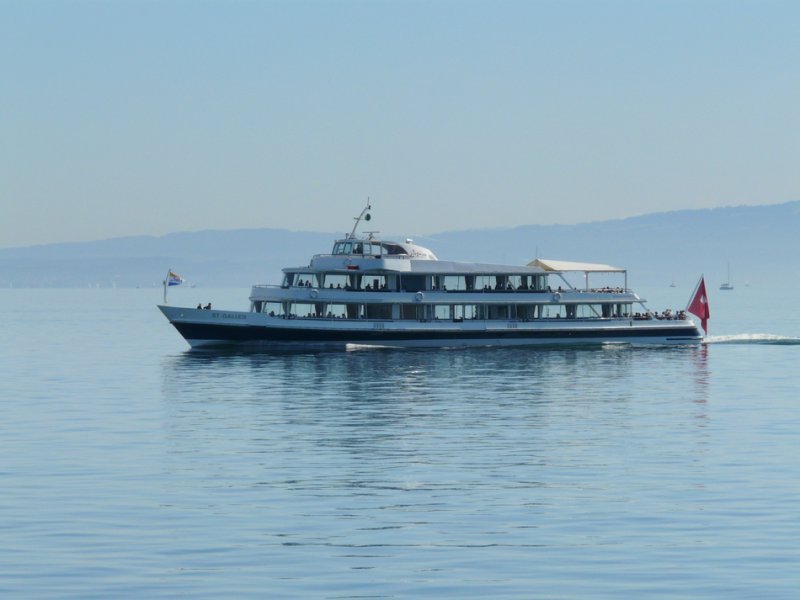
(229, 333)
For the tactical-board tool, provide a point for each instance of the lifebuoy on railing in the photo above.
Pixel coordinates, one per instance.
(419, 296)
(314, 292)
(556, 297)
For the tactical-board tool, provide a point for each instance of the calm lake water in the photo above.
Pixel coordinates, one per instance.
(134, 468)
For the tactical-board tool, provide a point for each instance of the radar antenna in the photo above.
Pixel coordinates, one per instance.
(364, 215)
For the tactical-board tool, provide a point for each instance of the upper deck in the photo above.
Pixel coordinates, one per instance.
(372, 264)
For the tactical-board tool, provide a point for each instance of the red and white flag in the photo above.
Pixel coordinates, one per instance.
(698, 305)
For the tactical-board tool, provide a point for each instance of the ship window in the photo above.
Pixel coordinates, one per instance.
(394, 249)
(370, 283)
(441, 312)
(555, 311)
(347, 248)
(413, 283)
(526, 311)
(498, 312)
(465, 311)
(589, 311)
(378, 311)
(303, 310)
(454, 282)
(305, 280)
(274, 309)
(336, 311)
(484, 282)
(335, 281)
(410, 311)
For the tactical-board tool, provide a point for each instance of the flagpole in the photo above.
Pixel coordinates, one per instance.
(698, 305)
(694, 292)
(166, 283)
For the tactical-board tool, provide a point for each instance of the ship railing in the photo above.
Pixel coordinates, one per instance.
(634, 317)
(382, 255)
(457, 291)
(537, 291)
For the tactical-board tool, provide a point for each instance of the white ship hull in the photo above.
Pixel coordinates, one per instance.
(373, 292)
(213, 328)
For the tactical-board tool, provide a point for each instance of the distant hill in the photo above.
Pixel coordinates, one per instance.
(235, 258)
(760, 242)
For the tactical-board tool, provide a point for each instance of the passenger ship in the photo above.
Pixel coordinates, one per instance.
(374, 292)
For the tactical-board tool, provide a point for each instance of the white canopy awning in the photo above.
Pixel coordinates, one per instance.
(564, 265)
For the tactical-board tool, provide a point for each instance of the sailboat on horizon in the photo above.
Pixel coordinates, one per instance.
(727, 285)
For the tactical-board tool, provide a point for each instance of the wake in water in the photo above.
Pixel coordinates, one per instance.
(753, 338)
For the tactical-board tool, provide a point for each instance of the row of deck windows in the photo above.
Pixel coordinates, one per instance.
(447, 312)
(416, 283)
(367, 248)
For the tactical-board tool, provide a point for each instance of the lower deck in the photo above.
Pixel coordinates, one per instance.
(220, 328)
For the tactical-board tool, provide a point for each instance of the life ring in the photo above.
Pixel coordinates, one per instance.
(556, 297)
(419, 296)
(314, 292)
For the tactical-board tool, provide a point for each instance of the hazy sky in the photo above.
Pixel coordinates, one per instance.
(123, 118)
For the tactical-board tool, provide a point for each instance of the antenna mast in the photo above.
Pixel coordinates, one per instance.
(364, 215)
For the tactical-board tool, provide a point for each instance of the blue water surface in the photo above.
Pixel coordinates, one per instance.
(133, 468)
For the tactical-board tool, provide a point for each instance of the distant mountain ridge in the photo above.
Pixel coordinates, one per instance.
(758, 241)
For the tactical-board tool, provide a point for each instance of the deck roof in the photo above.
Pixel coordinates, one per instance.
(565, 266)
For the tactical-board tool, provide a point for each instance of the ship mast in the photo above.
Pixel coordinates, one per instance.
(364, 215)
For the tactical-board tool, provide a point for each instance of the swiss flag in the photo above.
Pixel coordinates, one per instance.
(699, 304)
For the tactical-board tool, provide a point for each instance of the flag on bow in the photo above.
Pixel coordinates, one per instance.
(171, 279)
(174, 279)
(698, 305)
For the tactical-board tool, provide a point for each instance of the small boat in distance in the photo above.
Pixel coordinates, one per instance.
(727, 285)
(376, 292)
